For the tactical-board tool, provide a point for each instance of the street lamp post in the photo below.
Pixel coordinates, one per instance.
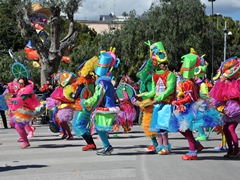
(225, 40)
(217, 14)
(212, 37)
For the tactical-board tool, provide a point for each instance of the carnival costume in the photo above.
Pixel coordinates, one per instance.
(125, 93)
(83, 88)
(219, 128)
(192, 113)
(22, 109)
(200, 77)
(63, 106)
(105, 109)
(145, 77)
(163, 93)
(226, 93)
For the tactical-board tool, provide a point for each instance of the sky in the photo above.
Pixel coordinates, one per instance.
(91, 9)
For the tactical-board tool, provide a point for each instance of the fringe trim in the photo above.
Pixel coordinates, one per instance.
(146, 121)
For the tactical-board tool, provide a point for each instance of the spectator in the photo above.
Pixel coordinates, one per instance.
(37, 89)
(47, 89)
(4, 119)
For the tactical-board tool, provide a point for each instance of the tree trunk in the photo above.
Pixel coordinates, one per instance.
(49, 56)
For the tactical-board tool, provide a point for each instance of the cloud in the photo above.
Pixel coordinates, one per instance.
(223, 7)
(92, 9)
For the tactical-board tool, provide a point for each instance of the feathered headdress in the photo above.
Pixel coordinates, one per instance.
(89, 66)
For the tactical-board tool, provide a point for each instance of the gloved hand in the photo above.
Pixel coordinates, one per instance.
(25, 96)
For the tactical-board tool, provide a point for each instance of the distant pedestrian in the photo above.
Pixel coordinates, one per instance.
(4, 119)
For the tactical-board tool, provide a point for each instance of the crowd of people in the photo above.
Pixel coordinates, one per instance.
(171, 102)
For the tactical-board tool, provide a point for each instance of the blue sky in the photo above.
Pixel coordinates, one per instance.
(230, 8)
(93, 8)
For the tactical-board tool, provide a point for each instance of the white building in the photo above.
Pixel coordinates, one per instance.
(107, 23)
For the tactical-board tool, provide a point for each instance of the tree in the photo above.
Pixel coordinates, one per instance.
(180, 25)
(85, 47)
(9, 33)
(6, 62)
(50, 56)
(232, 41)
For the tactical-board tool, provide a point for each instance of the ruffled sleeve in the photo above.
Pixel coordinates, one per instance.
(97, 96)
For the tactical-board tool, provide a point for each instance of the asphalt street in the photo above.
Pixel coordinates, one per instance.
(50, 158)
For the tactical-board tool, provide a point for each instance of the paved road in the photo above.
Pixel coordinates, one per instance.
(52, 159)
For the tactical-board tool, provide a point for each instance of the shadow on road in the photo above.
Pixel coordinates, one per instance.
(11, 168)
(55, 146)
(51, 139)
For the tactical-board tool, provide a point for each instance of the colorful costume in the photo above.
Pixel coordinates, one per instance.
(199, 76)
(63, 106)
(125, 93)
(22, 109)
(219, 129)
(191, 112)
(83, 89)
(23, 105)
(103, 100)
(226, 93)
(145, 76)
(163, 93)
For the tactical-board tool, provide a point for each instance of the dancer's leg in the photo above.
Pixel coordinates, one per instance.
(228, 137)
(234, 137)
(66, 130)
(165, 147)
(192, 154)
(4, 119)
(154, 141)
(224, 142)
(89, 140)
(160, 139)
(21, 131)
(191, 141)
(30, 130)
(104, 138)
(201, 135)
(197, 144)
(107, 148)
(11, 123)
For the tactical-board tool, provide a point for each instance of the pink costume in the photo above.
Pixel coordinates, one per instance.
(22, 111)
(227, 93)
(128, 113)
(63, 110)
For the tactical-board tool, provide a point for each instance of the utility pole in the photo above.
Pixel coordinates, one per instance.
(225, 41)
